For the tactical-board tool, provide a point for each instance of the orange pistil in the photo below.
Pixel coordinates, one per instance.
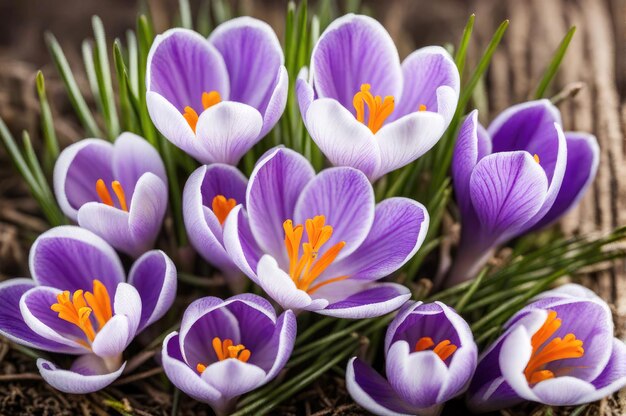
(78, 308)
(444, 349)
(222, 207)
(225, 350)
(209, 99)
(536, 157)
(304, 269)
(545, 352)
(379, 108)
(105, 195)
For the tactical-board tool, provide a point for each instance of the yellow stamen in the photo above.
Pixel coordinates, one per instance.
(379, 109)
(536, 157)
(225, 350)
(78, 310)
(119, 192)
(200, 368)
(222, 207)
(422, 107)
(545, 352)
(103, 193)
(305, 269)
(209, 99)
(444, 349)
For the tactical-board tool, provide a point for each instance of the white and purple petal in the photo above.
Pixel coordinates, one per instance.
(88, 374)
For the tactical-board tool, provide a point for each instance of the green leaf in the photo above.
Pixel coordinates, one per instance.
(553, 67)
(103, 75)
(185, 14)
(461, 53)
(47, 126)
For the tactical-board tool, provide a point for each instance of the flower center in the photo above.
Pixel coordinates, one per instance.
(304, 269)
(77, 308)
(209, 99)
(105, 196)
(379, 109)
(225, 350)
(546, 352)
(222, 207)
(444, 349)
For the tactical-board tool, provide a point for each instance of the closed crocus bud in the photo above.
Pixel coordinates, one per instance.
(520, 174)
(430, 358)
(226, 348)
(116, 190)
(559, 350)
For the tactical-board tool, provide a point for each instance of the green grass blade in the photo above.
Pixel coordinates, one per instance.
(553, 67)
(185, 14)
(461, 52)
(105, 85)
(90, 70)
(133, 64)
(129, 123)
(76, 97)
(203, 21)
(51, 142)
(145, 36)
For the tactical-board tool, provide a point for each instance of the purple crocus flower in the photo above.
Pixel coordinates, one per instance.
(367, 110)
(226, 348)
(80, 302)
(559, 350)
(430, 358)
(216, 98)
(319, 242)
(210, 194)
(520, 174)
(117, 190)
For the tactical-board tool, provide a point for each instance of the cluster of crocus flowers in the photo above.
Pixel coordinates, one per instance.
(559, 350)
(226, 348)
(80, 302)
(116, 190)
(522, 173)
(319, 242)
(216, 98)
(367, 110)
(430, 357)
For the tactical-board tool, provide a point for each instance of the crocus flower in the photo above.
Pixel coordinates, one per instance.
(216, 98)
(226, 348)
(319, 242)
(79, 302)
(559, 350)
(210, 194)
(364, 108)
(430, 357)
(521, 173)
(117, 190)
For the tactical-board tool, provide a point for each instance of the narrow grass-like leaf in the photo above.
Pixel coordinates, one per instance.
(105, 85)
(553, 67)
(461, 52)
(203, 22)
(221, 10)
(460, 305)
(185, 14)
(51, 142)
(133, 64)
(145, 36)
(76, 97)
(90, 70)
(129, 122)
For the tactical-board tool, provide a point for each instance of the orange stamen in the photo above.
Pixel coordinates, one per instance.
(545, 352)
(225, 350)
(209, 99)
(103, 193)
(222, 207)
(444, 349)
(379, 109)
(78, 310)
(305, 269)
(119, 193)
(536, 157)
(192, 117)
(422, 107)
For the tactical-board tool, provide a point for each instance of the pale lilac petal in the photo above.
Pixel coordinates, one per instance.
(154, 277)
(583, 157)
(281, 288)
(182, 376)
(613, 378)
(355, 50)
(343, 139)
(274, 187)
(76, 172)
(277, 103)
(226, 131)
(111, 224)
(128, 302)
(346, 198)
(507, 190)
(240, 243)
(70, 258)
(515, 352)
(113, 338)
(147, 210)
(376, 299)
(12, 325)
(372, 392)
(283, 338)
(253, 58)
(399, 228)
(405, 140)
(402, 367)
(233, 378)
(425, 72)
(182, 65)
(74, 382)
(132, 157)
(563, 391)
(304, 92)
